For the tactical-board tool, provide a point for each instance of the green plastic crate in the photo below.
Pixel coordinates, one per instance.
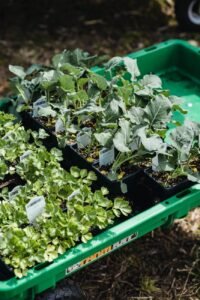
(178, 64)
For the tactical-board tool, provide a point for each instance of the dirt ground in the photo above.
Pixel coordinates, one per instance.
(161, 265)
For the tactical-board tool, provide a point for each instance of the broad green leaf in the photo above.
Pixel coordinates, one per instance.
(136, 115)
(132, 67)
(99, 80)
(67, 83)
(158, 111)
(103, 138)
(152, 81)
(182, 139)
(18, 71)
(122, 137)
(116, 106)
(152, 143)
(46, 112)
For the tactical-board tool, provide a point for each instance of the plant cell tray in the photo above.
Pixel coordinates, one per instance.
(178, 64)
(73, 157)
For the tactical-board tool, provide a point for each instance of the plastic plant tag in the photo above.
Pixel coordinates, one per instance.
(25, 155)
(7, 135)
(41, 102)
(84, 138)
(73, 194)
(106, 156)
(35, 208)
(14, 192)
(124, 188)
(59, 126)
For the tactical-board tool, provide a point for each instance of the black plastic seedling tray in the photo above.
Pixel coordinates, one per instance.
(72, 157)
(164, 192)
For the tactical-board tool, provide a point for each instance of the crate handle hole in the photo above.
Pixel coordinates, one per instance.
(150, 49)
(183, 194)
(42, 265)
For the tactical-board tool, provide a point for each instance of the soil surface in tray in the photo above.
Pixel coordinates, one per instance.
(89, 154)
(123, 172)
(7, 182)
(166, 179)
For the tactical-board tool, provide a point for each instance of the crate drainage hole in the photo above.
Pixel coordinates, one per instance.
(166, 202)
(182, 194)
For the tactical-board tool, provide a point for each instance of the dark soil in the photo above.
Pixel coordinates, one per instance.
(91, 155)
(166, 179)
(46, 122)
(6, 183)
(124, 171)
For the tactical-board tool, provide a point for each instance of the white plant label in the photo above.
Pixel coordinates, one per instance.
(25, 155)
(124, 188)
(84, 139)
(72, 195)
(35, 208)
(14, 192)
(59, 126)
(106, 156)
(41, 102)
(7, 135)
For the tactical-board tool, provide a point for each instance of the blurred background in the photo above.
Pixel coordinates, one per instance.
(161, 265)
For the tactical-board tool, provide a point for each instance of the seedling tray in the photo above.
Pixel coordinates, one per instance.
(73, 157)
(164, 192)
(172, 61)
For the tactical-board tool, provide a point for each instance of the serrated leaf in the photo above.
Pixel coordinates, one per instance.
(158, 111)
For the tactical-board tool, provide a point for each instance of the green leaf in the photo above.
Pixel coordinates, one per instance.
(193, 176)
(136, 115)
(48, 79)
(164, 163)
(103, 138)
(158, 111)
(152, 143)
(99, 80)
(18, 71)
(122, 137)
(152, 81)
(92, 176)
(182, 139)
(67, 83)
(86, 237)
(75, 172)
(121, 206)
(46, 112)
(42, 134)
(132, 67)
(116, 105)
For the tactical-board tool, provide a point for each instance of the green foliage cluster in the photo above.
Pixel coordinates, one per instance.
(72, 210)
(118, 110)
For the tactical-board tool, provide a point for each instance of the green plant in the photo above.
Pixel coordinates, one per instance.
(182, 155)
(72, 211)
